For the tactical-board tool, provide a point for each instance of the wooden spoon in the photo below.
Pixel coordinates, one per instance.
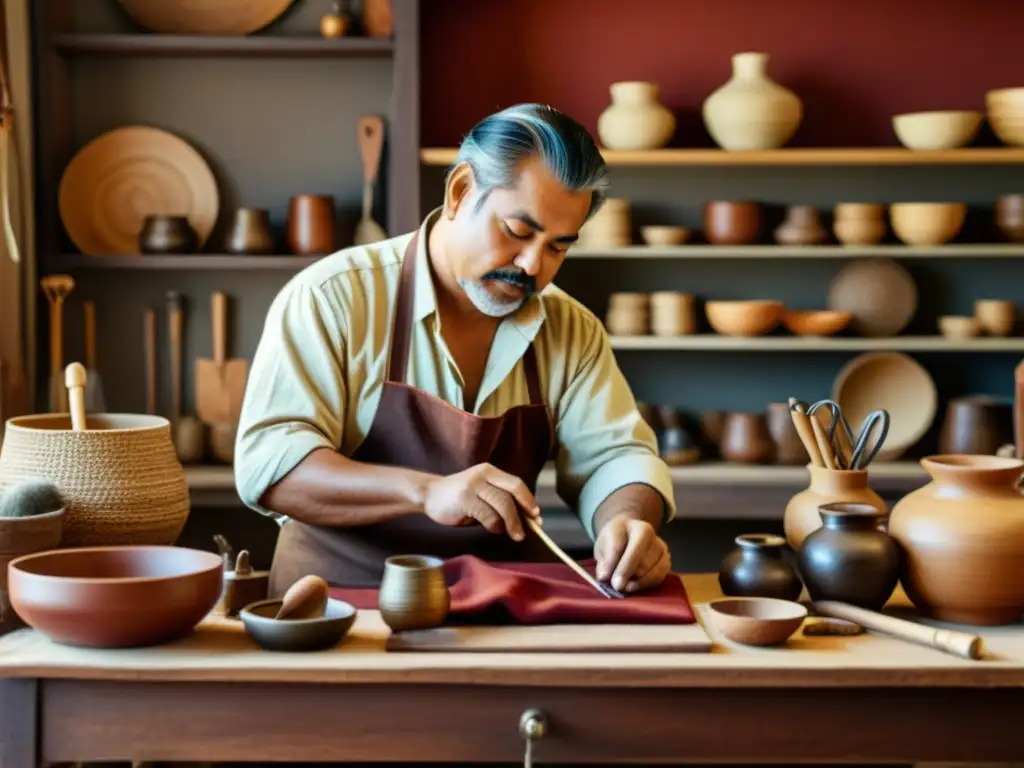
(371, 142)
(75, 380)
(305, 599)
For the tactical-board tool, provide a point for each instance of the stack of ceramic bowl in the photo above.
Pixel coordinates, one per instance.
(672, 313)
(628, 314)
(1004, 108)
(859, 223)
(610, 227)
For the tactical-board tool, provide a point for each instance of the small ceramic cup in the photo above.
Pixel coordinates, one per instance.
(997, 317)
(413, 593)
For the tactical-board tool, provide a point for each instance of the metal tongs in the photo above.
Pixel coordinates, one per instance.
(605, 589)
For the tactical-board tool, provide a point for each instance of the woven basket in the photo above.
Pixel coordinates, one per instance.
(120, 477)
(24, 536)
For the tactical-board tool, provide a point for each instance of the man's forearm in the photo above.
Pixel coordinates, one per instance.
(637, 500)
(327, 488)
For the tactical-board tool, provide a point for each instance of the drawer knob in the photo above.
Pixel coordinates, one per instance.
(533, 724)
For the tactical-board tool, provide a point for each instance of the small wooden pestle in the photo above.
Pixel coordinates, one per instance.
(305, 599)
(243, 585)
(74, 380)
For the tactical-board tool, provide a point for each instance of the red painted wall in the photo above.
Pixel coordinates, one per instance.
(855, 63)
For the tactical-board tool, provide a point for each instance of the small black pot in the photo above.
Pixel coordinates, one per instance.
(756, 568)
(849, 559)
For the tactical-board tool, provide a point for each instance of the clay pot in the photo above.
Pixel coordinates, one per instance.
(610, 227)
(413, 593)
(250, 232)
(789, 448)
(728, 222)
(712, 427)
(635, 119)
(827, 486)
(1010, 217)
(976, 425)
(751, 111)
(963, 539)
(745, 439)
(802, 226)
(672, 313)
(24, 536)
(310, 230)
(167, 234)
(997, 317)
(849, 559)
(756, 568)
(859, 223)
(676, 445)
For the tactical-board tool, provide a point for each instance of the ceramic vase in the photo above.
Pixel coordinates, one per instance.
(827, 486)
(963, 540)
(756, 568)
(849, 559)
(635, 119)
(751, 111)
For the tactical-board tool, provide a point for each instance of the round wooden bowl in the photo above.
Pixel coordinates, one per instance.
(823, 322)
(115, 597)
(927, 223)
(757, 620)
(937, 130)
(664, 235)
(744, 318)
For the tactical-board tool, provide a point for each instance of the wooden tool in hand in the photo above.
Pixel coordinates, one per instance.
(957, 643)
(220, 382)
(578, 569)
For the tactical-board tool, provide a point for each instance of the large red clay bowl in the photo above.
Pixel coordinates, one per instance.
(115, 597)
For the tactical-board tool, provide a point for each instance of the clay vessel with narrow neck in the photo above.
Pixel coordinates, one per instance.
(963, 540)
(828, 486)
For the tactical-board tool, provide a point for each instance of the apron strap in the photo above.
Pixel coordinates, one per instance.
(399, 357)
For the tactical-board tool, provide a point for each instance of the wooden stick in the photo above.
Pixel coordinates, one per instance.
(576, 567)
(962, 644)
(75, 380)
(802, 422)
(827, 457)
(150, 361)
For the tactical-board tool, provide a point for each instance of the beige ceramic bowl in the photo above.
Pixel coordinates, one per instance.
(744, 318)
(823, 322)
(1008, 128)
(664, 235)
(927, 223)
(1009, 100)
(959, 326)
(757, 620)
(937, 130)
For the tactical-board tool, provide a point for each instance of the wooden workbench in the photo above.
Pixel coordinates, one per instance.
(216, 697)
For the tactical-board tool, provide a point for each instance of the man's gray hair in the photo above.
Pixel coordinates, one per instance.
(496, 145)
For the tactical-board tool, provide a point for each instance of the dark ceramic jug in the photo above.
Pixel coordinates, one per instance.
(756, 568)
(167, 234)
(849, 559)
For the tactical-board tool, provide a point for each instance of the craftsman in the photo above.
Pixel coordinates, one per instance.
(405, 395)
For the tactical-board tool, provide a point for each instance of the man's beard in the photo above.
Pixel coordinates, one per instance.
(484, 301)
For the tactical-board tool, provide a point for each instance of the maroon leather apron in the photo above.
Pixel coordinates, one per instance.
(418, 430)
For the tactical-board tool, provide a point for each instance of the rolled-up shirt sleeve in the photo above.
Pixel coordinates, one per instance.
(295, 397)
(603, 441)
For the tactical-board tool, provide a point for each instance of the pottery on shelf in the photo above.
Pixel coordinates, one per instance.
(250, 232)
(976, 424)
(859, 223)
(751, 111)
(635, 119)
(676, 446)
(310, 229)
(802, 226)
(789, 448)
(745, 439)
(997, 317)
(827, 486)
(963, 540)
(849, 559)
(732, 222)
(756, 568)
(1010, 217)
(881, 295)
(167, 234)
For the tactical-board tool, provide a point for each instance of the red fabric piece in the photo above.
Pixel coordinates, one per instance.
(541, 593)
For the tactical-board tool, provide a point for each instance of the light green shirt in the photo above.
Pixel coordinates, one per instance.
(317, 375)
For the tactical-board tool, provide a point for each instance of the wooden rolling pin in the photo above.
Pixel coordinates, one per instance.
(961, 644)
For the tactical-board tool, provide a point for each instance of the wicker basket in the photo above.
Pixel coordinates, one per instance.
(120, 477)
(24, 536)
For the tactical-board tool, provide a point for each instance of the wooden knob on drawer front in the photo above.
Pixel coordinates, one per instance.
(533, 724)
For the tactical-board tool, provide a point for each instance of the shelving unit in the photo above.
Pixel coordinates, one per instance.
(140, 45)
(718, 342)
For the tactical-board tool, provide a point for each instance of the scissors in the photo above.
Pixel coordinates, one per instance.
(863, 455)
(837, 421)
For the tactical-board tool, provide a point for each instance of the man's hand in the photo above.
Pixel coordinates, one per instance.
(631, 555)
(482, 493)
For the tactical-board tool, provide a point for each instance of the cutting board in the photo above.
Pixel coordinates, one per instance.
(557, 638)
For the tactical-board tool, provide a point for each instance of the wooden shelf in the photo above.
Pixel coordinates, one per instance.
(216, 45)
(717, 342)
(183, 262)
(798, 156)
(701, 251)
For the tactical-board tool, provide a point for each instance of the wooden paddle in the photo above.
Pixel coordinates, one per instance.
(220, 382)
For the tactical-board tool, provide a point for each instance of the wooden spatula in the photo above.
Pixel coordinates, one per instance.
(371, 143)
(220, 382)
(56, 288)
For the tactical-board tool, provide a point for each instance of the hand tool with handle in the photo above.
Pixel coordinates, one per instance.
(94, 400)
(189, 433)
(75, 379)
(370, 131)
(150, 345)
(57, 288)
(604, 589)
(220, 382)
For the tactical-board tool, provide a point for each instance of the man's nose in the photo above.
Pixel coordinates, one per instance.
(529, 259)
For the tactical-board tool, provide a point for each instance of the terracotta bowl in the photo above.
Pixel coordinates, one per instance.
(744, 318)
(959, 326)
(937, 130)
(757, 620)
(297, 634)
(115, 597)
(927, 223)
(823, 322)
(664, 235)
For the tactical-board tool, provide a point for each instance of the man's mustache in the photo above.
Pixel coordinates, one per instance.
(513, 277)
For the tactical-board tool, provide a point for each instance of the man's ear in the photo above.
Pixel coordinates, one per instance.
(457, 188)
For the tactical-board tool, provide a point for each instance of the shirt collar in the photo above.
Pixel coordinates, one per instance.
(528, 319)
